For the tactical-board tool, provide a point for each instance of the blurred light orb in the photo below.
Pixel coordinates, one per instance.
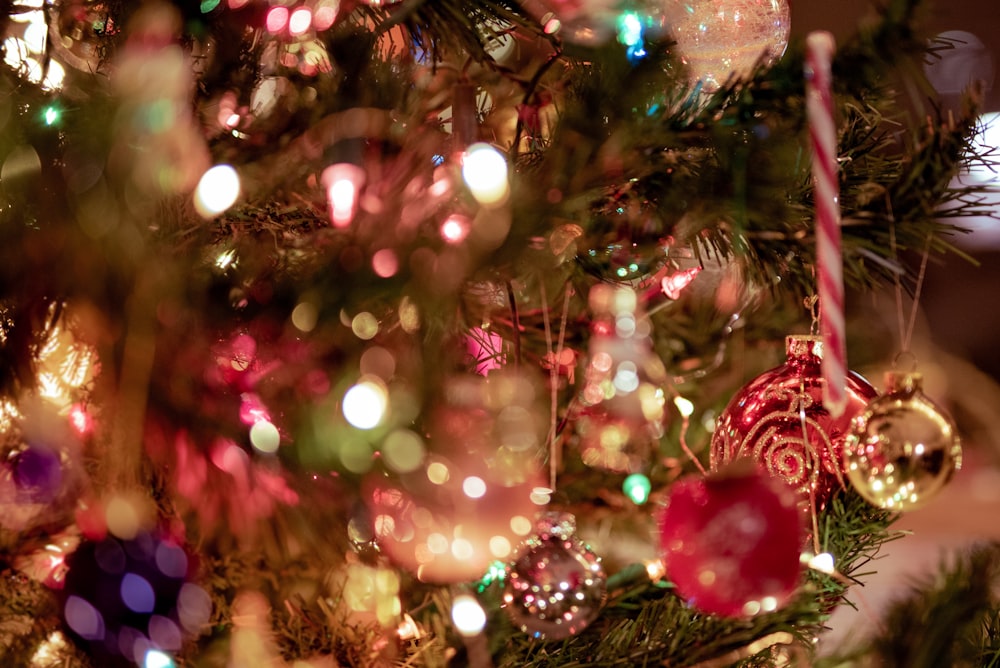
(403, 451)
(300, 21)
(217, 190)
(468, 615)
(474, 487)
(277, 19)
(264, 437)
(485, 172)
(343, 182)
(365, 404)
(385, 263)
(500, 547)
(156, 659)
(455, 229)
(637, 488)
(305, 315)
(364, 325)
(968, 61)
(325, 14)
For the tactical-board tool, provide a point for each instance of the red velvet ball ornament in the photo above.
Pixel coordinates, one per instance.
(731, 542)
(778, 420)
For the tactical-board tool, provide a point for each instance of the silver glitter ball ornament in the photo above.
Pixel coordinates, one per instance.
(555, 587)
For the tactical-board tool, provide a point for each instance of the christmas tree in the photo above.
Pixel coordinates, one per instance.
(453, 332)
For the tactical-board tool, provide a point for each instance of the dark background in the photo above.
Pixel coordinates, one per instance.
(960, 305)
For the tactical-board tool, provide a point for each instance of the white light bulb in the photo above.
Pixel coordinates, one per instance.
(474, 487)
(468, 616)
(217, 190)
(365, 404)
(156, 659)
(343, 183)
(265, 437)
(485, 172)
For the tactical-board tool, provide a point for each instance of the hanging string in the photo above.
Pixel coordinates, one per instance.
(516, 325)
(555, 361)
(812, 305)
(685, 423)
(906, 328)
(554, 397)
(810, 452)
(916, 294)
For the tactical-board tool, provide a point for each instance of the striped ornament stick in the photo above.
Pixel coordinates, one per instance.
(829, 263)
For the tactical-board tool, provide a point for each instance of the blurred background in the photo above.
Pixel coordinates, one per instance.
(956, 334)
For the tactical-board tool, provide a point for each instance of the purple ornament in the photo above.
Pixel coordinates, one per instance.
(38, 474)
(125, 598)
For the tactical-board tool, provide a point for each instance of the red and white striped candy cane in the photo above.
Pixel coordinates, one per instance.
(829, 263)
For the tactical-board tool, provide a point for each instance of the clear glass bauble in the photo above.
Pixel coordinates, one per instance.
(727, 38)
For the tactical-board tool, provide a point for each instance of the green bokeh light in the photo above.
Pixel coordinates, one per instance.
(637, 488)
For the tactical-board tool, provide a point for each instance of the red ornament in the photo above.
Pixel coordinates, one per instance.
(779, 421)
(731, 542)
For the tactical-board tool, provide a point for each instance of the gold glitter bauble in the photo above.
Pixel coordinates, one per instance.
(902, 449)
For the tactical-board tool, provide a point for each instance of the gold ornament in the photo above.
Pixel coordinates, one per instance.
(903, 448)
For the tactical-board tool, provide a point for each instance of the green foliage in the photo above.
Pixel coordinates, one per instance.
(636, 161)
(948, 618)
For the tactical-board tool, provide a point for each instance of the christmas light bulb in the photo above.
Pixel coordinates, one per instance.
(365, 404)
(277, 19)
(474, 487)
(217, 190)
(673, 285)
(455, 229)
(468, 616)
(51, 115)
(485, 172)
(156, 659)
(637, 488)
(300, 21)
(35, 35)
(343, 183)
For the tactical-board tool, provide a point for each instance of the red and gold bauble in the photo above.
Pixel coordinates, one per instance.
(730, 542)
(778, 420)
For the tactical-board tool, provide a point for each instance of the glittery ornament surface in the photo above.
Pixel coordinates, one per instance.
(731, 543)
(903, 448)
(555, 587)
(778, 420)
(720, 39)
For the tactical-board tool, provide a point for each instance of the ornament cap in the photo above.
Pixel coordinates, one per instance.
(803, 346)
(903, 382)
(554, 523)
